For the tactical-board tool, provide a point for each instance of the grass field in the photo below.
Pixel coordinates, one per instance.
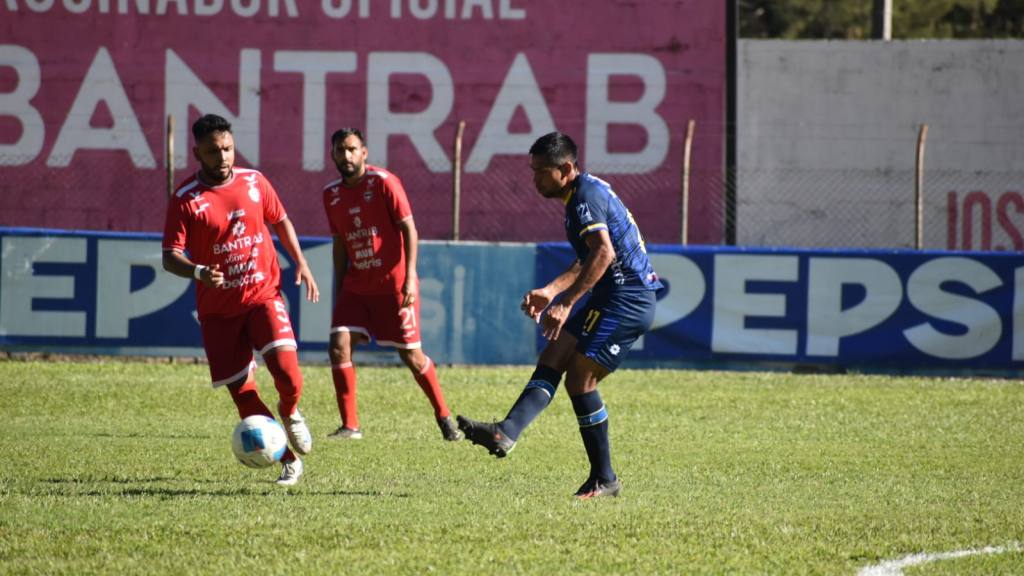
(127, 468)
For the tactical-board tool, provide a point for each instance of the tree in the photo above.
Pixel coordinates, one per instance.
(851, 19)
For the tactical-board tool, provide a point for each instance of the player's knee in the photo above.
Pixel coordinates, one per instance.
(414, 359)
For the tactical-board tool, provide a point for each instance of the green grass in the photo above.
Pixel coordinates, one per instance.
(127, 468)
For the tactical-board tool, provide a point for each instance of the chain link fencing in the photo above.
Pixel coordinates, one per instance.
(839, 202)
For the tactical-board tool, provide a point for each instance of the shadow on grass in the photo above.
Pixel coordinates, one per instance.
(117, 491)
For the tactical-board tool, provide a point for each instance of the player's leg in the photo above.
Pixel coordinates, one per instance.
(500, 437)
(270, 331)
(343, 373)
(592, 416)
(349, 327)
(541, 388)
(613, 324)
(423, 371)
(231, 365)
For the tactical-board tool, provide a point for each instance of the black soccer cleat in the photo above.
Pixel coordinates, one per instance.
(489, 436)
(594, 488)
(448, 430)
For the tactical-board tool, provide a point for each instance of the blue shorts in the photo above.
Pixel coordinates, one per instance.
(609, 324)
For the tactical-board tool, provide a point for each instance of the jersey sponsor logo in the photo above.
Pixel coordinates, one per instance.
(236, 269)
(583, 212)
(236, 214)
(357, 222)
(355, 210)
(361, 233)
(232, 245)
(368, 195)
(238, 229)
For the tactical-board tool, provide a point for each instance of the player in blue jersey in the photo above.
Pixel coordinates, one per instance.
(611, 263)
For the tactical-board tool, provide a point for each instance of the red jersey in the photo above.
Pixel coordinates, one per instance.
(365, 217)
(227, 225)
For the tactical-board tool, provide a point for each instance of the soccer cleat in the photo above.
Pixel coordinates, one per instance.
(343, 433)
(594, 488)
(290, 473)
(448, 429)
(298, 433)
(489, 436)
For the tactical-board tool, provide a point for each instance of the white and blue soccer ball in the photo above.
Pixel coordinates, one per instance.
(258, 441)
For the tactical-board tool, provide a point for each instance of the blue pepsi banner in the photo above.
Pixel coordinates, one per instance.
(872, 310)
(107, 293)
(875, 310)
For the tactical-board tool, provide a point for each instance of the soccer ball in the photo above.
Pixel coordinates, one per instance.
(258, 441)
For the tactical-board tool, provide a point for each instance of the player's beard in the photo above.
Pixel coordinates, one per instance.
(217, 174)
(349, 169)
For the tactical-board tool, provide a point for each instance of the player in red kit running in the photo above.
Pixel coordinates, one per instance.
(375, 245)
(218, 217)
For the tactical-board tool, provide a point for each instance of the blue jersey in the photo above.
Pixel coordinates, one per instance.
(594, 206)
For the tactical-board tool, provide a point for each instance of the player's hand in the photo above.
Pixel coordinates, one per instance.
(553, 319)
(534, 302)
(212, 276)
(312, 291)
(408, 292)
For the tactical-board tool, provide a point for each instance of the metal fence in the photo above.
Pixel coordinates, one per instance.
(850, 202)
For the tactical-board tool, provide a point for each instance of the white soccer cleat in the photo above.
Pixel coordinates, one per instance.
(290, 473)
(298, 433)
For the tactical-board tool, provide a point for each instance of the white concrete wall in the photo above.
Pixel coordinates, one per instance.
(828, 135)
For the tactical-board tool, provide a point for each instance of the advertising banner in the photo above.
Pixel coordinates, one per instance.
(86, 85)
(884, 310)
(107, 293)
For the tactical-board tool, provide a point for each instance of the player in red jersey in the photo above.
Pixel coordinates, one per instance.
(375, 245)
(218, 217)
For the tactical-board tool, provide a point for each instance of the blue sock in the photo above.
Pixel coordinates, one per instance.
(534, 399)
(593, 420)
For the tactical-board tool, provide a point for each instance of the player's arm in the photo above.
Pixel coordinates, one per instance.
(536, 300)
(340, 258)
(178, 264)
(410, 241)
(286, 233)
(601, 255)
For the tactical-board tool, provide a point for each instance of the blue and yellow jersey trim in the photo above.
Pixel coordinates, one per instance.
(592, 227)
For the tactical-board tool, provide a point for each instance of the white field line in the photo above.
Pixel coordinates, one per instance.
(895, 567)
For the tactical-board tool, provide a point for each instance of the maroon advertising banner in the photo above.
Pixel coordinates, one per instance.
(86, 86)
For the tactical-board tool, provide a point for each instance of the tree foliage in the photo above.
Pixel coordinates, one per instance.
(851, 19)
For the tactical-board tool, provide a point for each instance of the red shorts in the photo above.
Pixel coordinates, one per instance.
(379, 316)
(230, 340)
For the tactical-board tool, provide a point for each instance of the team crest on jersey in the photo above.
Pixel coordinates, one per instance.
(254, 191)
(583, 211)
(239, 228)
(368, 195)
(357, 222)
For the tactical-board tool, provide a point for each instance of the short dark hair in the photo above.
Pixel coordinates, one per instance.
(555, 148)
(342, 133)
(208, 124)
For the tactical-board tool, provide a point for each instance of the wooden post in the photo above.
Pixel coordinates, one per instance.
(457, 179)
(922, 137)
(684, 208)
(170, 155)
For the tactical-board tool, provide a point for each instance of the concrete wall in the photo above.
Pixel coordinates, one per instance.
(828, 136)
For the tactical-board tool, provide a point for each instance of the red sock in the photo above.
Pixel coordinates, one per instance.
(284, 367)
(247, 400)
(345, 390)
(427, 379)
